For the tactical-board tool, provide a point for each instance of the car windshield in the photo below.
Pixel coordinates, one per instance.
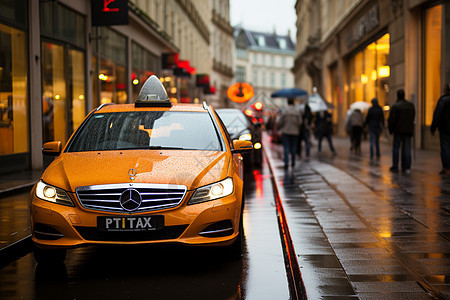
(147, 130)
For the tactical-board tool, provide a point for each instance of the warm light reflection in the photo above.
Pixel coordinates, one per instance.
(173, 90)
(386, 108)
(385, 234)
(135, 81)
(57, 97)
(81, 97)
(259, 184)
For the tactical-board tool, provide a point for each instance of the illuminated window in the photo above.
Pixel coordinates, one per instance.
(369, 72)
(13, 91)
(432, 76)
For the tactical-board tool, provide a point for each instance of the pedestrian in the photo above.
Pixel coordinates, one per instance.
(375, 122)
(324, 129)
(401, 125)
(289, 124)
(356, 121)
(305, 130)
(441, 121)
(348, 127)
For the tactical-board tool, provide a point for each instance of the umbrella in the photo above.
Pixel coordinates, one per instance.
(289, 93)
(361, 105)
(317, 103)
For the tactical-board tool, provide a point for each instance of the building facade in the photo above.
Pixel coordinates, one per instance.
(265, 61)
(222, 51)
(58, 64)
(361, 49)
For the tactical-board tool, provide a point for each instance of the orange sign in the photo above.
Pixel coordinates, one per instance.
(240, 92)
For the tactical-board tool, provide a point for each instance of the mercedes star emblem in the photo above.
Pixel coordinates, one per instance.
(132, 173)
(130, 200)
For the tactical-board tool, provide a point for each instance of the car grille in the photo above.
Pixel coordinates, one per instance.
(166, 233)
(153, 196)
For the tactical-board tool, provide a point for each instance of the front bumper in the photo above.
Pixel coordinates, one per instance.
(209, 223)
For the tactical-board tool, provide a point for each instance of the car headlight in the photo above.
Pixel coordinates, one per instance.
(53, 194)
(213, 191)
(246, 137)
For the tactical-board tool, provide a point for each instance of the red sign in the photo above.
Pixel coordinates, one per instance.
(109, 12)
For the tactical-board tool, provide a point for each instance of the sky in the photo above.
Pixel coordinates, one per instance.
(264, 15)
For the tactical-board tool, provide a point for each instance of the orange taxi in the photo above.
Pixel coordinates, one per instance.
(143, 173)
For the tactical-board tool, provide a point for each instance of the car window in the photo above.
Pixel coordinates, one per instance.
(233, 119)
(147, 130)
(227, 135)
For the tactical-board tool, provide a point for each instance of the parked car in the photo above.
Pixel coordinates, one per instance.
(240, 127)
(145, 173)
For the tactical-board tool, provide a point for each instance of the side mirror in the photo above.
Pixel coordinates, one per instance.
(241, 146)
(52, 148)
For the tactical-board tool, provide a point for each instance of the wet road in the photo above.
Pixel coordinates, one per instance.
(169, 272)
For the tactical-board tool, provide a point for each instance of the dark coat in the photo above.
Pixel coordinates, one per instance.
(441, 116)
(401, 118)
(323, 123)
(375, 119)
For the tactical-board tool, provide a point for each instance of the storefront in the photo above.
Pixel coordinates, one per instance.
(435, 62)
(14, 102)
(55, 67)
(63, 74)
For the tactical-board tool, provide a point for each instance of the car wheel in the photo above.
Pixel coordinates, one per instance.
(49, 256)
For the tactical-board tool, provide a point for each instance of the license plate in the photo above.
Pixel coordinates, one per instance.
(136, 223)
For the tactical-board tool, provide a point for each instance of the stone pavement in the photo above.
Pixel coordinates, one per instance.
(360, 231)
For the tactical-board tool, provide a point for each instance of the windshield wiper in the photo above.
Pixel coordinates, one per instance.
(152, 148)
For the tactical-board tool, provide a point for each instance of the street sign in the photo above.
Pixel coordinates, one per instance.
(240, 92)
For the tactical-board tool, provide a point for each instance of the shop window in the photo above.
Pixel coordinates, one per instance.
(13, 91)
(53, 93)
(368, 73)
(63, 91)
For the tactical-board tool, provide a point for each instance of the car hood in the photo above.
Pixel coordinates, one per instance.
(190, 168)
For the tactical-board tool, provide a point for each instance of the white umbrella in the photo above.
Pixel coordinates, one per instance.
(317, 103)
(361, 105)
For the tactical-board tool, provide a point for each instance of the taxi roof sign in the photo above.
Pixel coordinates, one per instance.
(153, 94)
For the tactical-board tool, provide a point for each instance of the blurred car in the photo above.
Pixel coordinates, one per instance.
(143, 173)
(240, 127)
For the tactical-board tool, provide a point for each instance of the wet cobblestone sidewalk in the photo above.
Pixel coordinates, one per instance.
(360, 231)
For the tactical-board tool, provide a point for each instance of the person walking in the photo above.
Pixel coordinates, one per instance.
(324, 129)
(441, 121)
(401, 125)
(356, 121)
(375, 122)
(305, 130)
(289, 124)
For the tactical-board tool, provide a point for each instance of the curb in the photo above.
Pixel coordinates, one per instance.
(15, 250)
(16, 189)
(296, 285)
